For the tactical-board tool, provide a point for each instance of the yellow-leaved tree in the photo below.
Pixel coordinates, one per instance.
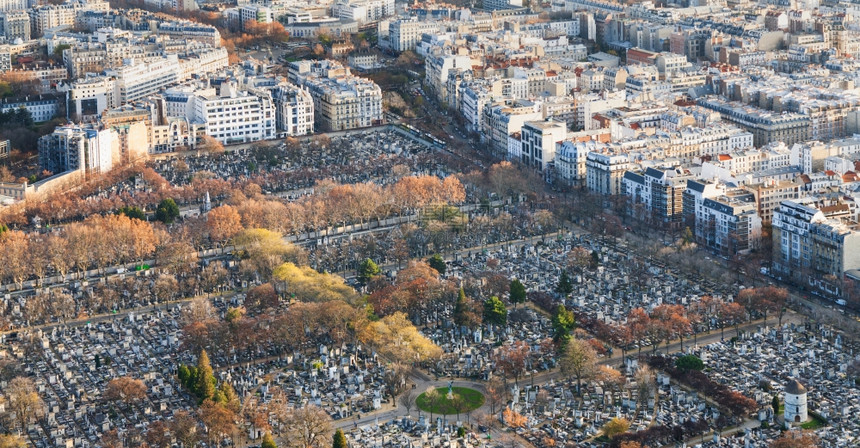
(396, 338)
(312, 286)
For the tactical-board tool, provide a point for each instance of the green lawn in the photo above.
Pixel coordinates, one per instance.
(815, 422)
(472, 399)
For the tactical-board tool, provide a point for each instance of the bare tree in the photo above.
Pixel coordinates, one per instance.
(308, 427)
(126, 390)
(395, 379)
(24, 403)
(184, 428)
(156, 435)
(431, 399)
(578, 361)
(646, 383)
(199, 310)
(12, 441)
(495, 393)
(407, 400)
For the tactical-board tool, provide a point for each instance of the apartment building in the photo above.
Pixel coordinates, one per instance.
(589, 105)
(41, 107)
(538, 143)
(766, 126)
(136, 79)
(294, 110)
(404, 34)
(605, 172)
(255, 13)
(139, 79)
(474, 97)
(95, 57)
(46, 17)
(182, 29)
(130, 114)
(15, 25)
(498, 5)
(14, 5)
(362, 11)
(570, 163)
(694, 196)
(814, 243)
(437, 68)
(230, 116)
(504, 118)
(200, 60)
(91, 96)
(729, 224)
(341, 100)
(76, 148)
(769, 195)
(660, 192)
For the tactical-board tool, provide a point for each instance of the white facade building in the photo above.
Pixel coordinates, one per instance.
(362, 11)
(539, 140)
(234, 116)
(294, 110)
(605, 172)
(138, 80)
(404, 34)
(77, 148)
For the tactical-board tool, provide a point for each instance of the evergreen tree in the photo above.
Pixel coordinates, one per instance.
(460, 308)
(167, 211)
(775, 404)
(339, 440)
(562, 324)
(518, 291)
(367, 270)
(564, 286)
(436, 262)
(192, 379)
(218, 397)
(689, 362)
(495, 312)
(205, 377)
(269, 442)
(184, 374)
(231, 400)
(133, 212)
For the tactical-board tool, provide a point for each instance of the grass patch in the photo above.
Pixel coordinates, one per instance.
(815, 422)
(472, 400)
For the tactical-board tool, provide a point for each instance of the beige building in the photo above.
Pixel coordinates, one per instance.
(769, 195)
(341, 100)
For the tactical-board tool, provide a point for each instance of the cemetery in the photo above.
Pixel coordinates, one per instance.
(351, 383)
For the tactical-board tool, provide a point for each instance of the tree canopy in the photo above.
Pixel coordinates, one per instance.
(518, 291)
(436, 262)
(310, 285)
(167, 211)
(394, 336)
(689, 362)
(495, 312)
(367, 270)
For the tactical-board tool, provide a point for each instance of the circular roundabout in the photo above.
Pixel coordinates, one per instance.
(445, 401)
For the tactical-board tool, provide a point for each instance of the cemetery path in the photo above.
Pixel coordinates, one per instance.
(422, 381)
(747, 424)
(467, 250)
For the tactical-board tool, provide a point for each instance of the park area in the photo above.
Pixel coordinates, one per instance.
(462, 400)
